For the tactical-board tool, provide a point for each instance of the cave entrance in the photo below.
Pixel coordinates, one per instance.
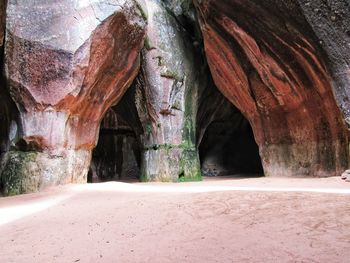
(227, 145)
(117, 156)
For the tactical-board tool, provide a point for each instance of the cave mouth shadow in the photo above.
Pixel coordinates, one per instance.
(117, 156)
(228, 147)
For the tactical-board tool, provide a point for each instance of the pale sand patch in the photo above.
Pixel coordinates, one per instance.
(226, 220)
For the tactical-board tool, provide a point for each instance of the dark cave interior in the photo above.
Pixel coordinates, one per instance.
(117, 156)
(228, 146)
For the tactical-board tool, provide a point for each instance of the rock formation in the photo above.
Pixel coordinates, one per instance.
(3, 100)
(167, 90)
(282, 69)
(66, 64)
(346, 176)
(8, 111)
(330, 22)
(265, 58)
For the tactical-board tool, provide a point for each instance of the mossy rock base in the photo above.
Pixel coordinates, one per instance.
(20, 173)
(28, 172)
(170, 165)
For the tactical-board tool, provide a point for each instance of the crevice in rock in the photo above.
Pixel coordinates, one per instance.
(225, 139)
(117, 156)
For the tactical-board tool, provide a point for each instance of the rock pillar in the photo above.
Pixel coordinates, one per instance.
(167, 99)
(66, 63)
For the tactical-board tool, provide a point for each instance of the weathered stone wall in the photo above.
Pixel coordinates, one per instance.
(283, 64)
(266, 60)
(4, 111)
(3, 5)
(67, 62)
(8, 110)
(330, 21)
(167, 99)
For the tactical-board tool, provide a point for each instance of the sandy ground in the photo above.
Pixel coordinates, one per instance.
(227, 220)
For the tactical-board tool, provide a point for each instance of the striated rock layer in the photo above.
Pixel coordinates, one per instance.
(67, 62)
(167, 95)
(265, 58)
(330, 21)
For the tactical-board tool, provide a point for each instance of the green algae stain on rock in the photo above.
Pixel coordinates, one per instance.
(19, 173)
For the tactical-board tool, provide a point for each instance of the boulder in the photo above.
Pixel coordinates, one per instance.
(346, 176)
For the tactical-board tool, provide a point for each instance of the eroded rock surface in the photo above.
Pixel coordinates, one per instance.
(4, 118)
(3, 5)
(167, 99)
(8, 110)
(67, 62)
(266, 60)
(330, 21)
(284, 65)
(346, 176)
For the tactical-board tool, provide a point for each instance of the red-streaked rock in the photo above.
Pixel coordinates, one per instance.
(67, 62)
(268, 63)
